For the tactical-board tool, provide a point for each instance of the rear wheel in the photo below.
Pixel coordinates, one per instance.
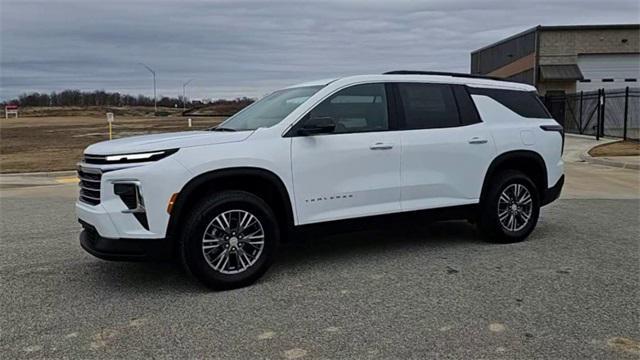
(509, 210)
(230, 240)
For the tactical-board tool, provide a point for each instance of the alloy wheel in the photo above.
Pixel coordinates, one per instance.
(233, 241)
(515, 207)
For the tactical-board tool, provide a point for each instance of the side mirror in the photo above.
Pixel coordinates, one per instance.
(317, 125)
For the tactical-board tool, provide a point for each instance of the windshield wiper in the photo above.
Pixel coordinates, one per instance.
(222, 129)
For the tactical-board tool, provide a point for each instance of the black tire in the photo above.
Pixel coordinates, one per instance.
(489, 223)
(200, 220)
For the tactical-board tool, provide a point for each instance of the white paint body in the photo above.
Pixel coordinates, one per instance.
(330, 177)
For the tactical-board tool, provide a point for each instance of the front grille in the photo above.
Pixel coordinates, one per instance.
(89, 186)
(95, 159)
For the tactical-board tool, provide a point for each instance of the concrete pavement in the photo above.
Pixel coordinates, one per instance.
(626, 162)
(428, 291)
(593, 181)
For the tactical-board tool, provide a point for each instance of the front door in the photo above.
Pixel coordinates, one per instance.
(353, 171)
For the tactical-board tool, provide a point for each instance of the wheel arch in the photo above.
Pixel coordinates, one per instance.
(529, 162)
(261, 182)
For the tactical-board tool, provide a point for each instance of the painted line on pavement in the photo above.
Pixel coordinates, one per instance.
(67, 180)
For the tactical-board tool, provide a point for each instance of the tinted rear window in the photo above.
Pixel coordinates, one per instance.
(468, 112)
(427, 106)
(524, 103)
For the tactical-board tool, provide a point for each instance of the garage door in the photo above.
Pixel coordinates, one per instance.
(609, 71)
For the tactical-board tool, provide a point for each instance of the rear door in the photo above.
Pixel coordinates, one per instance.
(446, 149)
(354, 171)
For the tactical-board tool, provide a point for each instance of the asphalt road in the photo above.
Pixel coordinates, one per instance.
(432, 291)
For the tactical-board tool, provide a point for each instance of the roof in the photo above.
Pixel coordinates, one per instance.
(561, 28)
(522, 33)
(442, 79)
(590, 27)
(442, 73)
(560, 72)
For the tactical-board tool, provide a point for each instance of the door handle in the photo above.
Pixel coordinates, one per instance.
(381, 146)
(476, 140)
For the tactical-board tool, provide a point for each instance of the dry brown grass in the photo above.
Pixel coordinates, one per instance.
(620, 148)
(49, 143)
(96, 111)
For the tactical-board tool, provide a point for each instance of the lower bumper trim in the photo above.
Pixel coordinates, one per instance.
(553, 192)
(123, 249)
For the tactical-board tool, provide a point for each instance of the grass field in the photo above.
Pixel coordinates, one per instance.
(620, 148)
(46, 142)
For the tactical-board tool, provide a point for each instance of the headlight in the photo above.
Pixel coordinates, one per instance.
(128, 158)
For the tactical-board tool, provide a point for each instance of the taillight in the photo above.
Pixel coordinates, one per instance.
(557, 128)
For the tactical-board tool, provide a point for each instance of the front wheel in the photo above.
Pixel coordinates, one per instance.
(229, 240)
(509, 210)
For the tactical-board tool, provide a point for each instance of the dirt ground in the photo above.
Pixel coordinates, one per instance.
(620, 148)
(49, 143)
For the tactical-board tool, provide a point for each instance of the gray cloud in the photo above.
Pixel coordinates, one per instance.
(234, 48)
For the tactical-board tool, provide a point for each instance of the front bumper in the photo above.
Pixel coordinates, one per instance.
(112, 217)
(553, 192)
(118, 249)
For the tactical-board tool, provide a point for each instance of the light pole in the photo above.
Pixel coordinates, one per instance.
(155, 99)
(184, 99)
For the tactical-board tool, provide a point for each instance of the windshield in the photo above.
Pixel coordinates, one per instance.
(269, 110)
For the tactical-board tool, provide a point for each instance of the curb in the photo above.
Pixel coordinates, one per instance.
(42, 174)
(586, 137)
(34, 179)
(607, 162)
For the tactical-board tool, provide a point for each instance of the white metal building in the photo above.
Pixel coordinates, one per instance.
(608, 71)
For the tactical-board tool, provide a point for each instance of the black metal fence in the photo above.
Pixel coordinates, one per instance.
(614, 113)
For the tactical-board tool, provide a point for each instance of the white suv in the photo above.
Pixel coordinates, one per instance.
(328, 151)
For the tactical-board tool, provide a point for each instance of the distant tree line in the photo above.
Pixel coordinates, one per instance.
(226, 107)
(104, 98)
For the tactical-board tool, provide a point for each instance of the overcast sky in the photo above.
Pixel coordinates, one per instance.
(238, 48)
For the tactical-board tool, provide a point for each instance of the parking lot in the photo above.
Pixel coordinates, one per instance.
(428, 291)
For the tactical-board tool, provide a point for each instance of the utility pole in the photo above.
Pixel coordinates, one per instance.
(184, 99)
(155, 98)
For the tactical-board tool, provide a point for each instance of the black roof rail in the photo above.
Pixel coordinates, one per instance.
(442, 73)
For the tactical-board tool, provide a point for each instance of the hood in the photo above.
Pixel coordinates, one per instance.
(135, 144)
